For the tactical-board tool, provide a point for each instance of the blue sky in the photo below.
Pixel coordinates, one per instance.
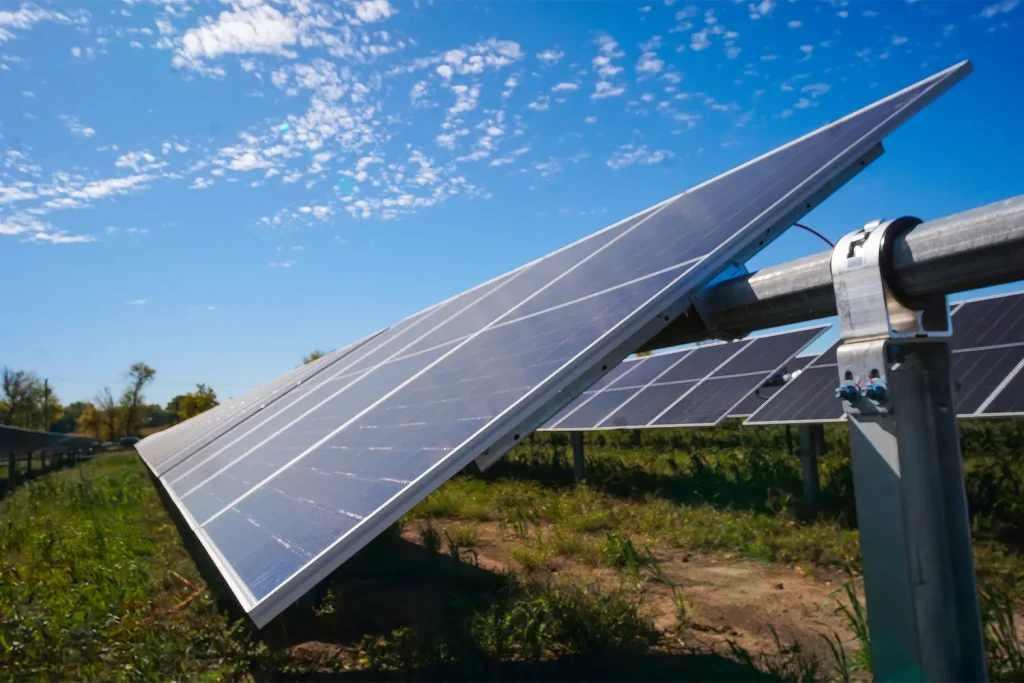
(219, 188)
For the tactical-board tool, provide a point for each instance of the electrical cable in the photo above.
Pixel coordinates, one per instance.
(815, 232)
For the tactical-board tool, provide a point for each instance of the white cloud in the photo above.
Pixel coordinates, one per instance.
(260, 29)
(98, 189)
(649, 63)
(139, 161)
(542, 103)
(75, 128)
(137, 302)
(280, 264)
(796, 23)
(590, 119)
(35, 230)
(898, 39)
(565, 87)
(699, 40)
(605, 89)
(371, 11)
(550, 57)
(999, 8)
(627, 155)
(807, 50)
(804, 103)
(201, 183)
(761, 9)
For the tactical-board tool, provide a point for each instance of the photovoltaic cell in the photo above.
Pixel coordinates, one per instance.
(286, 496)
(766, 391)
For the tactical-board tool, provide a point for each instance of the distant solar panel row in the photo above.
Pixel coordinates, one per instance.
(988, 354)
(288, 493)
(694, 387)
(29, 440)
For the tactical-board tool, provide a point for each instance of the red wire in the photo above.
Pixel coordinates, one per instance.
(815, 232)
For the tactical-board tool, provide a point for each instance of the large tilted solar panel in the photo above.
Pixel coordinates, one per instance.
(694, 387)
(282, 499)
(169, 447)
(988, 352)
(761, 395)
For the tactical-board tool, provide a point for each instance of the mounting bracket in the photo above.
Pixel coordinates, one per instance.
(895, 384)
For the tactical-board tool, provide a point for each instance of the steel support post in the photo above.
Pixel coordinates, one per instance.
(809, 449)
(894, 373)
(578, 467)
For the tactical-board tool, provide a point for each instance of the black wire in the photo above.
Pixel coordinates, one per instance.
(815, 232)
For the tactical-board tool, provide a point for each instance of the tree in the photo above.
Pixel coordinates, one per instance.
(313, 355)
(139, 375)
(111, 413)
(91, 421)
(23, 395)
(155, 416)
(68, 421)
(198, 401)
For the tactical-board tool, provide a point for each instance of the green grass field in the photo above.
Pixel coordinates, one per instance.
(686, 559)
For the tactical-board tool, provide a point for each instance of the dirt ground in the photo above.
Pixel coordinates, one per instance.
(731, 598)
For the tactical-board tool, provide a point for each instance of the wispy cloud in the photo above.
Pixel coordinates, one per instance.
(75, 128)
(137, 302)
(628, 155)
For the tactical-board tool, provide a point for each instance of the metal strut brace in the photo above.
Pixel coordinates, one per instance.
(895, 384)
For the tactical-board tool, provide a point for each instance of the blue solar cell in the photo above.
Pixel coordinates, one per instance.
(646, 405)
(649, 370)
(702, 361)
(595, 409)
(504, 358)
(711, 401)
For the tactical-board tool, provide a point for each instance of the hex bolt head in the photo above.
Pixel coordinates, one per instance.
(874, 391)
(848, 392)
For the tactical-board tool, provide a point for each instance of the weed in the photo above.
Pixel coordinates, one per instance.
(465, 535)
(532, 558)
(684, 608)
(856, 619)
(787, 662)
(1003, 648)
(431, 538)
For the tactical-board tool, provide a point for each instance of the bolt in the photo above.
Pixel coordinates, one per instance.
(847, 392)
(874, 391)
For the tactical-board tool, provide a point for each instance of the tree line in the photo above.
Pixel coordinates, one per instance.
(29, 403)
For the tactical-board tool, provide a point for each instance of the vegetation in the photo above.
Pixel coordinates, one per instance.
(517, 573)
(27, 402)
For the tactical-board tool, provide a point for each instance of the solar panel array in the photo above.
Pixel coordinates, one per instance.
(696, 387)
(988, 353)
(759, 396)
(29, 440)
(291, 490)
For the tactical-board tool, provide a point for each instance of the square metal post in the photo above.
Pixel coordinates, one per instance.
(578, 467)
(915, 536)
(809, 449)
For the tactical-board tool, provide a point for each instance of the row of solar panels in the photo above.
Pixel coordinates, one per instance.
(695, 387)
(30, 440)
(284, 484)
(701, 386)
(988, 356)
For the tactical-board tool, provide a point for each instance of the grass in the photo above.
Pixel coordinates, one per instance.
(95, 582)
(91, 578)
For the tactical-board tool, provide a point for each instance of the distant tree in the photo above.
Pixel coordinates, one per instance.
(139, 375)
(111, 412)
(313, 355)
(156, 416)
(91, 421)
(68, 421)
(23, 396)
(198, 401)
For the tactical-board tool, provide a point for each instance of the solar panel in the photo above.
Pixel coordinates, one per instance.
(171, 446)
(987, 352)
(751, 403)
(286, 496)
(689, 387)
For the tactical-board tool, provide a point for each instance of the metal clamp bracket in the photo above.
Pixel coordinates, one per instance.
(873, 314)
